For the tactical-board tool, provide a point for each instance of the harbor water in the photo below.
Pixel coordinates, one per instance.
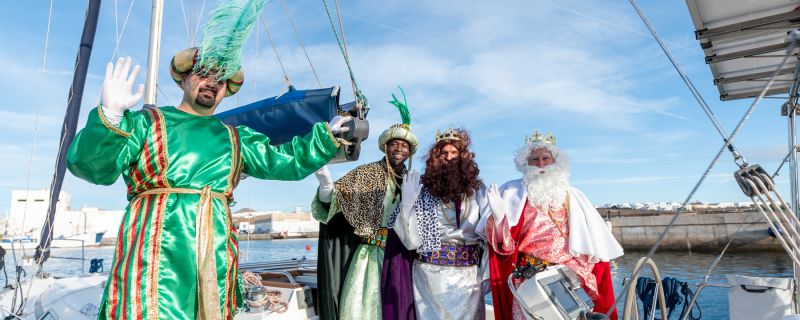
(684, 266)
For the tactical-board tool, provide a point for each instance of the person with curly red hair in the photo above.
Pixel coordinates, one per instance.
(439, 213)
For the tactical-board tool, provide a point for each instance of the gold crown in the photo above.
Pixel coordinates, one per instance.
(538, 137)
(450, 134)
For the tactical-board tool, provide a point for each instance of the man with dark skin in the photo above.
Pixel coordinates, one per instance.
(359, 257)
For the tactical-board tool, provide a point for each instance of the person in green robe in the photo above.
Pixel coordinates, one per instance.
(176, 255)
(355, 213)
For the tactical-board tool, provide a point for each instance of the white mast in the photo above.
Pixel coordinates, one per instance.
(152, 54)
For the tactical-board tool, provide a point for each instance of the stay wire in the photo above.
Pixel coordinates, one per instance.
(40, 263)
(785, 160)
(122, 30)
(689, 84)
(360, 98)
(296, 33)
(277, 56)
(727, 143)
(186, 24)
(341, 28)
(36, 116)
(199, 19)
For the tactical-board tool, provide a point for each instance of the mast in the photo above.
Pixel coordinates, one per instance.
(151, 81)
(69, 126)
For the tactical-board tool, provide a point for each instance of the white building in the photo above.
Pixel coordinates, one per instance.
(287, 222)
(29, 210)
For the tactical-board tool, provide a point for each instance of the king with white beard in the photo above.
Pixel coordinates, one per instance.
(541, 219)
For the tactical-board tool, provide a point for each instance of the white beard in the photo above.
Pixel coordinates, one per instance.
(548, 189)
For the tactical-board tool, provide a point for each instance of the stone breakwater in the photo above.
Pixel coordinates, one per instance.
(704, 231)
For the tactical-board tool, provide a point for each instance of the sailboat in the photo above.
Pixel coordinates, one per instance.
(751, 48)
(279, 290)
(745, 44)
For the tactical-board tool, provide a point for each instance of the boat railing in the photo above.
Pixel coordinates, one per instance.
(272, 266)
(700, 287)
(30, 259)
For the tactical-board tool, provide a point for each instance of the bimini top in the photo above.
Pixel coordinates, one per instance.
(744, 41)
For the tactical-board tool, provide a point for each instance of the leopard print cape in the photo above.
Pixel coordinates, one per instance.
(360, 195)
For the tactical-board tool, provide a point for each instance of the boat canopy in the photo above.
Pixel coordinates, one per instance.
(283, 117)
(744, 41)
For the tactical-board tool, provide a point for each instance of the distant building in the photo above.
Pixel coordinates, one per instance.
(251, 221)
(287, 222)
(29, 210)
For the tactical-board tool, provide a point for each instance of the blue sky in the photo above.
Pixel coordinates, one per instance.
(587, 71)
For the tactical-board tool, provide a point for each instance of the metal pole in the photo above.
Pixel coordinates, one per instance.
(152, 54)
(793, 183)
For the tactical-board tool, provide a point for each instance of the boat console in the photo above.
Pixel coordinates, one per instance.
(549, 293)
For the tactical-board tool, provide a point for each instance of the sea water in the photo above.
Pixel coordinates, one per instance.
(685, 266)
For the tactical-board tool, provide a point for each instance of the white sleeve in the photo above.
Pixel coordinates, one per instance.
(407, 228)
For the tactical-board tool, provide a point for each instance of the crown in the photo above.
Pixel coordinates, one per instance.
(538, 137)
(450, 134)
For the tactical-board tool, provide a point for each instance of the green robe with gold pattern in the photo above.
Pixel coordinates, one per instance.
(176, 255)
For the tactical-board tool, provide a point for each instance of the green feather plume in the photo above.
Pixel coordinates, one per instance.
(230, 25)
(402, 107)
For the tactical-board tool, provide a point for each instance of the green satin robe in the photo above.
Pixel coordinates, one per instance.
(176, 255)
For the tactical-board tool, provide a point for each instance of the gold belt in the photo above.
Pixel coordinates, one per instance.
(379, 239)
(213, 194)
(524, 258)
(207, 286)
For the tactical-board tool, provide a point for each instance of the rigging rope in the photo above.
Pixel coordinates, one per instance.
(280, 62)
(689, 84)
(186, 24)
(36, 117)
(341, 27)
(727, 144)
(158, 87)
(291, 21)
(197, 22)
(361, 100)
(40, 262)
(785, 160)
(121, 33)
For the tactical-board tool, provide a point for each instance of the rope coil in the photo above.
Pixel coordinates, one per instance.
(264, 299)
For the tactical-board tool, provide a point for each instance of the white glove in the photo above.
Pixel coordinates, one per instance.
(496, 203)
(325, 190)
(409, 192)
(338, 122)
(117, 96)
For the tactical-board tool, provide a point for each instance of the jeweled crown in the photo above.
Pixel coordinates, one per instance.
(450, 134)
(538, 137)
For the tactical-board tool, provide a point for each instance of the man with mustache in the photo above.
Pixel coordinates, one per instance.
(540, 219)
(176, 255)
(363, 269)
(438, 219)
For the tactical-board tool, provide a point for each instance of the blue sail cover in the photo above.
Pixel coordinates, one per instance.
(283, 117)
